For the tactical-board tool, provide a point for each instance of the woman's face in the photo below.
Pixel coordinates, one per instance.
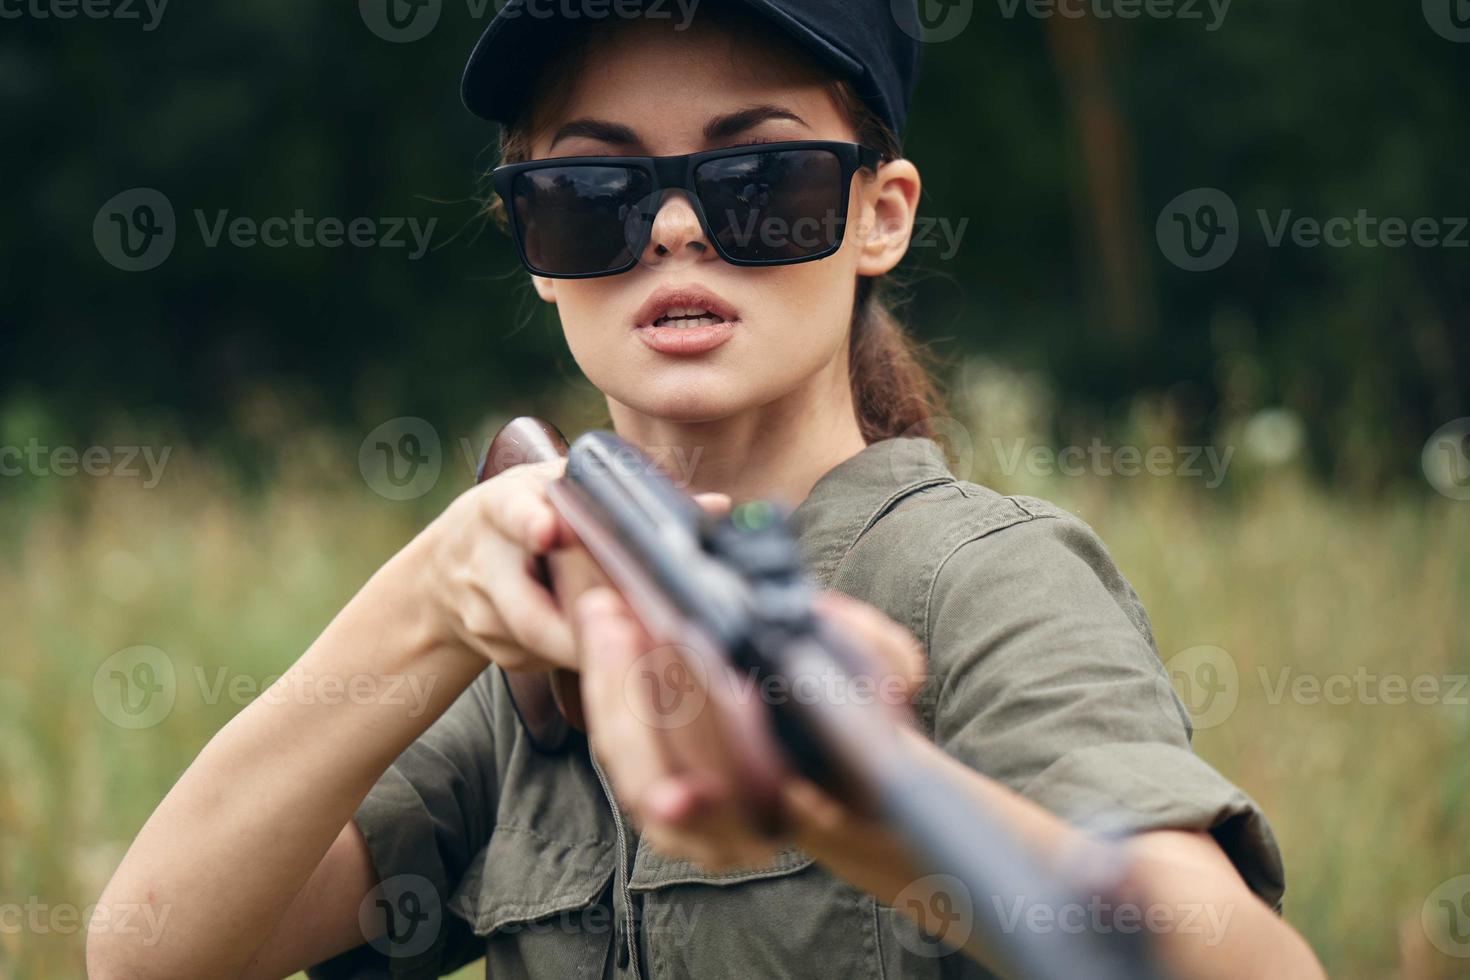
(648, 90)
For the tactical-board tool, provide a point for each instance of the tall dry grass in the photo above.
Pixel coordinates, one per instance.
(1370, 801)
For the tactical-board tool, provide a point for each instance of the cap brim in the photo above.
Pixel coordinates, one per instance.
(507, 59)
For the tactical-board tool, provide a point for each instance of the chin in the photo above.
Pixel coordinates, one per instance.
(682, 402)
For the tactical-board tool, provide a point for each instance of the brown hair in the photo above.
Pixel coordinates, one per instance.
(893, 391)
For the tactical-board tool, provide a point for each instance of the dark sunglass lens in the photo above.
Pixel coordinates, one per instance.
(774, 205)
(580, 220)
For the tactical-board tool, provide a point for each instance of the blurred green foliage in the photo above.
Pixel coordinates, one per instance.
(1060, 140)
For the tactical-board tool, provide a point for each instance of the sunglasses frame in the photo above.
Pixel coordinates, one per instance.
(677, 173)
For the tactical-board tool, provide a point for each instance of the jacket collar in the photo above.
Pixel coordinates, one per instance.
(854, 494)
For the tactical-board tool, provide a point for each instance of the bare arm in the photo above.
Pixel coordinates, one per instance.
(322, 920)
(251, 862)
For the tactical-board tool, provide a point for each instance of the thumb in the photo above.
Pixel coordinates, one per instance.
(714, 504)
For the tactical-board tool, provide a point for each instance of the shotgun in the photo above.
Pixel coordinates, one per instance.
(731, 596)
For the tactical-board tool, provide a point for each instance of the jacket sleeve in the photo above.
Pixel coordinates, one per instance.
(1046, 678)
(426, 817)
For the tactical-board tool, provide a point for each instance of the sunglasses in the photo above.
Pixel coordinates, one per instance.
(768, 204)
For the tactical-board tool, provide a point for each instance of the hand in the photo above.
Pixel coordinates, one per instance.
(676, 746)
(483, 577)
(485, 553)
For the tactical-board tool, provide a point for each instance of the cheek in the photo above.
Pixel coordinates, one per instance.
(812, 312)
(590, 312)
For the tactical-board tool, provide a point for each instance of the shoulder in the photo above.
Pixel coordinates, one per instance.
(962, 540)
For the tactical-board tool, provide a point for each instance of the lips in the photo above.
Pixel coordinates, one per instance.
(685, 320)
(684, 305)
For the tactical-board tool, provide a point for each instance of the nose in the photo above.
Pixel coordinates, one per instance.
(676, 233)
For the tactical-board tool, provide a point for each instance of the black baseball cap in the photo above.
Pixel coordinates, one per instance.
(873, 44)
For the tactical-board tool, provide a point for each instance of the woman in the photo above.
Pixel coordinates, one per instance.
(735, 320)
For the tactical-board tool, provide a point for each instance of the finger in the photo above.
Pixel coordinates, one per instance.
(534, 619)
(682, 821)
(573, 571)
(900, 653)
(714, 504)
(812, 812)
(615, 698)
(726, 738)
(515, 504)
(685, 798)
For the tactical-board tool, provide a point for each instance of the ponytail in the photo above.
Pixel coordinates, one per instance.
(893, 392)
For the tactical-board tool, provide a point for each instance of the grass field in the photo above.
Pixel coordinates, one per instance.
(1371, 800)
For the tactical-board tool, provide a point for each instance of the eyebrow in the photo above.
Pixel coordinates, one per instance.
(735, 123)
(718, 128)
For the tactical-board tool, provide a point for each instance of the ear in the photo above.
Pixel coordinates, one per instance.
(545, 288)
(889, 206)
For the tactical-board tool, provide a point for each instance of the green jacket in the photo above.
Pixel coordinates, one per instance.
(1042, 674)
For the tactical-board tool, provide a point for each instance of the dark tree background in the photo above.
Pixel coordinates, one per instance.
(1060, 139)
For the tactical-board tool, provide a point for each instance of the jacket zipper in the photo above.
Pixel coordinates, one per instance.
(630, 935)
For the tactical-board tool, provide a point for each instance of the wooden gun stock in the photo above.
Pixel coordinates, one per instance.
(549, 704)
